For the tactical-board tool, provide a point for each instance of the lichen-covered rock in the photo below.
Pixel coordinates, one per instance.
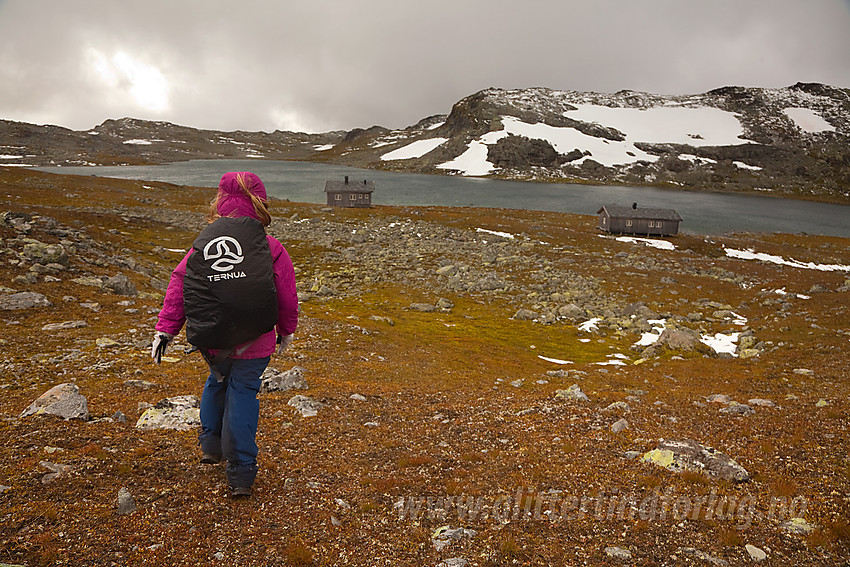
(306, 405)
(62, 400)
(277, 381)
(121, 285)
(679, 456)
(678, 340)
(180, 412)
(23, 300)
(797, 526)
(572, 393)
(41, 253)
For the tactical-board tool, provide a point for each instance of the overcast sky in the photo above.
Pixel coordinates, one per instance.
(320, 65)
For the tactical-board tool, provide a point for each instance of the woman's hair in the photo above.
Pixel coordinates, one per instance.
(261, 208)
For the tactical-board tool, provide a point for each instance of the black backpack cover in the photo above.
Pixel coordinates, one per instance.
(229, 294)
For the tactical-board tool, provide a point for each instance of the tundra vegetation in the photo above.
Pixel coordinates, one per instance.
(466, 387)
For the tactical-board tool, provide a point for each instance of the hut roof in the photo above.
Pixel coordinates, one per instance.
(618, 212)
(334, 186)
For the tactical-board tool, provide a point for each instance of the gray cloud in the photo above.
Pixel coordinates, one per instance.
(335, 64)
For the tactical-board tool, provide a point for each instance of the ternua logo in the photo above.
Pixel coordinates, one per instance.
(226, 251)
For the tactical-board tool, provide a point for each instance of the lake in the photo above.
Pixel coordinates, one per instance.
(703, 213)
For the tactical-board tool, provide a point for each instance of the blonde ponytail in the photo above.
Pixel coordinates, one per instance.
(261, 208)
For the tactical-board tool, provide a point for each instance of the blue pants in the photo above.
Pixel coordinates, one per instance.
(230, 411)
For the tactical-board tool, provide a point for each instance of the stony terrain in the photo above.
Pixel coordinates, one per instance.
(466, 387)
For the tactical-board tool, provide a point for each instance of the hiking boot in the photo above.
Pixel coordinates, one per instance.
(210, 459)
(237, 492)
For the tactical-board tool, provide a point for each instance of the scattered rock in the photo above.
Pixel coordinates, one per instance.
(617, 407)
(23, 300)
(453, 562)
(143, 384)
(572, 312)
(445, 536)
(41, 253)
(121, 285)
(56, 470)
(678, 456)
(572, 393)
(357, 397)
(678, 340)
(755, 553)
(126, 504)
(761, 402)
(797, 526)
(276, 381)
(423, 307)
(734, 408)
(62, 400)
(821, 403)
(618, 553)
(64, 326)
(702, 556)
(525, 315)
(180, 413)
(619, 425)
(307, 406)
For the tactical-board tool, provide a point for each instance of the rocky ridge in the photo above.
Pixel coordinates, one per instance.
(773, 154)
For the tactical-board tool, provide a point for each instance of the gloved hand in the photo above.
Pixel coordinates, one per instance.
(158, 345)
(283, 342)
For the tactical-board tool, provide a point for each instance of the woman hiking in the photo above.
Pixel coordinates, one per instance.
(229, 405)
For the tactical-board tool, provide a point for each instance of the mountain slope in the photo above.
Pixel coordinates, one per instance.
(791, 141)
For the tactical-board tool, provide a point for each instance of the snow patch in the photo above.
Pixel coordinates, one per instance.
(138, 142)
(554, 360)
(590, 325)
(722, 343)
(742, 165)
(651, 242)
(473, 162)
(693, 126)
(415, 149)
(495, 233)
(323, 148)
(651, 337)
(749, 254)
(808, 120)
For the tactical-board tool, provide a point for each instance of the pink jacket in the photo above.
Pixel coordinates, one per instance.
(172, 317)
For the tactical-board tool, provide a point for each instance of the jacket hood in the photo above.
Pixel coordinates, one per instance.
(232, 201)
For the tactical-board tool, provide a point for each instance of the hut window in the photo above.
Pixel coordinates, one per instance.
(629, 222)
(338, 197)
(352, 197)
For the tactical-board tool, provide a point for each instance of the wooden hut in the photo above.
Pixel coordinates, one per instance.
(345, 194)
(639, 220)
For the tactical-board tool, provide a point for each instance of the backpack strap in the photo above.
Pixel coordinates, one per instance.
(221, 356)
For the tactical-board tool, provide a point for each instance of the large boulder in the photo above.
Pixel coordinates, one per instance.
(679, 456)
(678, 340)
(62, 400)
(121, 285)
(41, 253)
(277, 381)
(23, 300)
